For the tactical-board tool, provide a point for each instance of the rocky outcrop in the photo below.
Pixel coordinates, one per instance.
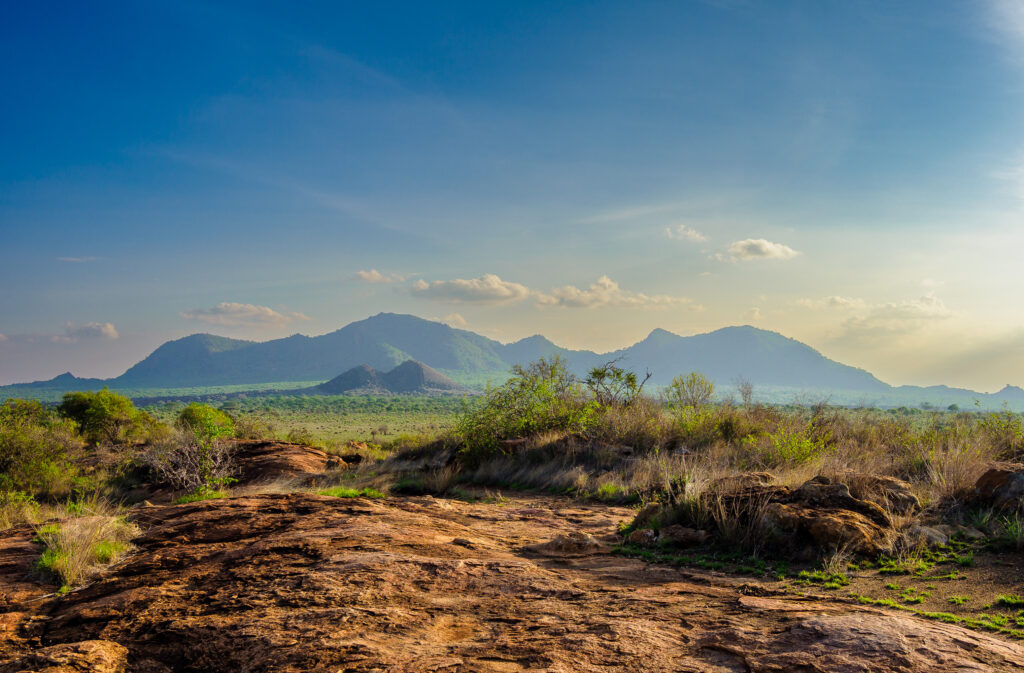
(262, 461)
(303, 582)
(1001, 487)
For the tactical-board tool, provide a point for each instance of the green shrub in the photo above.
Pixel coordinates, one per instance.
(35, 448)
(106, 416)
(692, 391)
(206, 422)
(538, 398)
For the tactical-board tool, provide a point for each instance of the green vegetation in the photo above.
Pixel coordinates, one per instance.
(75, 547)
(36, 450)
(106, 416)
(205, 422)
(342, 492)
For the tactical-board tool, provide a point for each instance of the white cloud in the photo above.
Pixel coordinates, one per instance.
(375, 276)
(454, 320)
(232, 314)
(605, 292)
(685, 233)
(753, 315)
(90, 330)
(757, 248)
(488, 289)
(877, 321)
(835, 301)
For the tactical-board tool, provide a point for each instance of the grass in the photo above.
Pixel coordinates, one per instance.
(75, 548)
(200, 495)
(343, 492)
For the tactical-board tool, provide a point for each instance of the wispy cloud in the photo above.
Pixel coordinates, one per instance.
(233, 314)
(684, 233)
(375, 276)
(874, 322)
(487, 289)
(605, 292)
(757, 248)
(85, 332)
(834, 301)
(79, 260)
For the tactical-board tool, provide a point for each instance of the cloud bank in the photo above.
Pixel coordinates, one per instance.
(487, 289)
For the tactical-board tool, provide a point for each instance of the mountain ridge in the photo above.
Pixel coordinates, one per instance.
(766, 359)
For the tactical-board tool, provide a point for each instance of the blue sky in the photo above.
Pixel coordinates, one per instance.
(847, 173)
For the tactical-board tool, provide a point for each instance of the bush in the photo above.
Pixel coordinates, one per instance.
(106, 416)
(190, 463)
(34, 450)
(693, 390)
(538, 398)
(206, 423)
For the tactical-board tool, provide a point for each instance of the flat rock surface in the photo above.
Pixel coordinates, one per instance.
(303, 582)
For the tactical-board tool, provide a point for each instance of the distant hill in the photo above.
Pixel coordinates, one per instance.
(780, 368)
(408, 378)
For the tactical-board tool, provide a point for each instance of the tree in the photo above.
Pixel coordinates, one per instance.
(206, 422)
(101, 414)
(612, 385)
(693, 390)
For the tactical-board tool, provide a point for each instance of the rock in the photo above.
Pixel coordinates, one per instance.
(956, 530)
(92, 656)
(263, 461)
(570, 544)
(681, 536)
(891, 494)
(825, 530)
(300, 582)
(642, 537)
(926, 536)
(1001, 487)
(820, 493)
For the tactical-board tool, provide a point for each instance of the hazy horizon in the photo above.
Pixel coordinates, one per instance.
(850, 175)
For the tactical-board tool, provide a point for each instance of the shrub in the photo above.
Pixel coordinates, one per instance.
(105, 416)
(693, 390)
(190, 463)
(613, 386)
(34, 450)
(538, 398)
(206, 423)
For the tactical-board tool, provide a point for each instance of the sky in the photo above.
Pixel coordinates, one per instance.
(850, 174)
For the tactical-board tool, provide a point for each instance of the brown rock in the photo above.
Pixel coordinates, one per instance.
(819, 493)
(92, 656)
(264, 461)
(825, 529)
(681, 536)
(1001, 487)
(642, 537)
(889, 493)
(743, 482)
(286, 583)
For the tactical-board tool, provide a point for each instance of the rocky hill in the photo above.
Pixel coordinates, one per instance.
(408, 378)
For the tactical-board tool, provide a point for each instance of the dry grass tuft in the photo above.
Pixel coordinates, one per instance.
(76, 548)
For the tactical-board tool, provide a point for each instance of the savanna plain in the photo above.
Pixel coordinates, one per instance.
(551, 523)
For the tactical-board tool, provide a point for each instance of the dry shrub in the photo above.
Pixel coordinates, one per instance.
(189, 463)
(77, 547)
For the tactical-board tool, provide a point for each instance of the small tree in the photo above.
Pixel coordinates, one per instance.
(207, 423)
(613, 386)
(746, 390)
(693, 390)
(100, 415)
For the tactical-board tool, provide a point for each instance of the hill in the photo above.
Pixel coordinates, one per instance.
(408, 378)
(780, 368)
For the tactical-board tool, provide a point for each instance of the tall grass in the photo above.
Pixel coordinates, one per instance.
(77, 547)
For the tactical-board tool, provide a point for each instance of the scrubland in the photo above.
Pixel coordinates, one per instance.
(683, 460)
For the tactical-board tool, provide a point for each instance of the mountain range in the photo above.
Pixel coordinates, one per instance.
(774, 364)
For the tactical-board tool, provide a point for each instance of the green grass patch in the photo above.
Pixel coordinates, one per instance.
(343, 492)
(200, 495)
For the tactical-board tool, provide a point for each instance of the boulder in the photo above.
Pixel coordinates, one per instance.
(642, 537)
(891, 494)
(820, 492)
(1001, 487)
(810, 530)
(926, 536)
(575, 543)
(681, 536)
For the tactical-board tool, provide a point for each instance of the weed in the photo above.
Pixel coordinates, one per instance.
(958, 600)
(342, 492)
